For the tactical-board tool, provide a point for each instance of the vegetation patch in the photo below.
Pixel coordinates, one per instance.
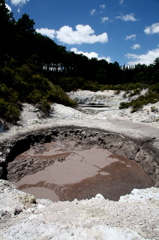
(152, 96)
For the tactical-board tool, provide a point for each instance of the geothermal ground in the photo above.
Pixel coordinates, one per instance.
(101, 153)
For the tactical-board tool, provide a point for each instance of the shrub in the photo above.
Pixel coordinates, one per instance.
(34, 97)
(44, 107)
(124, 105)
(124, 95)
(9, 111)
(12, 113)
(154, 109)
(136, 105)
(135, 92)
(154, 88)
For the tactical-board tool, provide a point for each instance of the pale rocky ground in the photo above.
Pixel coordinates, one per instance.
(110, 109)
(111, 101)
(30, 117)
(134, 216)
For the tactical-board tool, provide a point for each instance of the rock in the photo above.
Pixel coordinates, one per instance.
(3, 126)
(135, 216)
(142, 196)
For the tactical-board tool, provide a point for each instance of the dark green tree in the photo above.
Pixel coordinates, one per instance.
(25, 39)
(7, 33)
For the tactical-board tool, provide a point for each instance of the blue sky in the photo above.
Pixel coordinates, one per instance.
(126, 31)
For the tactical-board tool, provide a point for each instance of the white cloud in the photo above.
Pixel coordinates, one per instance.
(147, 58)
(132, 36)
(8, 7)
(82, 34)
(90, 55)
(19, 2)
(47, 32)
(127, 17)
(121, 2)
(92, 12)
(104, 19)
(136, 46)
(103, 6)
(154, 28)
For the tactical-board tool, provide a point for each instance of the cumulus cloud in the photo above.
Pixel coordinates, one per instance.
(146, 59)
(154, 28)
(8, 7)
(132, 36)
(47, 32)
(136, 46)
(82, 34)
(19, 2)
(92, 12)
(127, 17)
(105, 19)
(103, 6)
(91, 55)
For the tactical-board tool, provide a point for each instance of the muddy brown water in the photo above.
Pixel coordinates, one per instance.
(73, 172)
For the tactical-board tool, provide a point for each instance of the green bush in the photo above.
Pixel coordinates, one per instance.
(34, 96)
(44, 107)
(61, 97)
(135, 92)
(124, 95)
(136, 105)
(154, 109)
(124, 105)
(9, 111)
(154, 88)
